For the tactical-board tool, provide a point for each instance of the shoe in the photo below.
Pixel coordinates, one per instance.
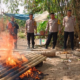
(46, 47)
(72, 49)
(28, 47)
(53, 48)
(32, 46)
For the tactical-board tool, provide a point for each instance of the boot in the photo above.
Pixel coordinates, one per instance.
(46, 47)
(28, 46)
(33, 46)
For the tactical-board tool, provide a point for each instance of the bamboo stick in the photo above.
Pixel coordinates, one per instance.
(2, 74)
(21, 72)
(21, 68)
(7, 68)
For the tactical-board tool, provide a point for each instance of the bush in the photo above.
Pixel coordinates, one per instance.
(21, 35)
(41, 26)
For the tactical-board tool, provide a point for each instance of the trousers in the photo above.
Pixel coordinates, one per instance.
(30, 36)
(71, 35)
(50, 35)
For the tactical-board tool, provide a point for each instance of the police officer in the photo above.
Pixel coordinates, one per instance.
(53, 26)
(30, 26)
(69, 23)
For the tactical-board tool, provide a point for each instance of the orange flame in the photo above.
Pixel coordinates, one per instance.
(6, 51)
(30, 72)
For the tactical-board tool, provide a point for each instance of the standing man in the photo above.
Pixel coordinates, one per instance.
(69, 23)
(16, 31)
(30, 26)
(12, 27)
(53, 26)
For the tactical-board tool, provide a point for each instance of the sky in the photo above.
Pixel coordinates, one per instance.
(3, 6)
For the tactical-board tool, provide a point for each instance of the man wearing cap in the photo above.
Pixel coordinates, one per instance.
(69, 23)
(53, 26)
(30, 26)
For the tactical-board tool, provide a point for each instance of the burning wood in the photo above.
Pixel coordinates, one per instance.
(31, 73)
(7, 50)
(16, 65)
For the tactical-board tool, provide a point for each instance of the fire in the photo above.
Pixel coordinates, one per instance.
(12, 62)
(6, 51)
(13, 59)
(30, 73)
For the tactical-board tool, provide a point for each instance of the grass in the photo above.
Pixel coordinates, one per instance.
(21, 35)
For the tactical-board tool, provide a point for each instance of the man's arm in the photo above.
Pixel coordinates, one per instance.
(63, 21)
(26, 28)
(17, 26)
(59, 26)
(35, 26)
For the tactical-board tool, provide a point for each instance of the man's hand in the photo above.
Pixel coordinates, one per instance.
(25, 32)
(60, 32)
(35, 31)
(46, 32)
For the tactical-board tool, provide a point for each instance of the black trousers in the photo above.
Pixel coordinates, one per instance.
(30, 36)
(71, 35)
(50, 35)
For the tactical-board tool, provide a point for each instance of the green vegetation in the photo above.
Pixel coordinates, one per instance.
(59, 7)
(41, 26)
(21, 35)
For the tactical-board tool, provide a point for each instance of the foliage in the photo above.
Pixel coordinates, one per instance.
(41, 26)
(12, 5)
(20, 23)
(21, 35)
(59, 7)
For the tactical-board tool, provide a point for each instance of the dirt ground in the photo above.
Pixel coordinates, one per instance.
(59, 67)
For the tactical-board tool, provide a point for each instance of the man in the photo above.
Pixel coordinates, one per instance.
(53, 26)
(16, 31)
(69, 23)
(12, 27)
(30, 26)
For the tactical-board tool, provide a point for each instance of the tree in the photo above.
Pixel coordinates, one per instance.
(12, 5)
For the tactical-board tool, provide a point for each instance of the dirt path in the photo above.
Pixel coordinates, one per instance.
(57, 68)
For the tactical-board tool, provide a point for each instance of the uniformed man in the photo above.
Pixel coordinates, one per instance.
(69, 23)
(53, 26)
(30, 26)
(13, 31)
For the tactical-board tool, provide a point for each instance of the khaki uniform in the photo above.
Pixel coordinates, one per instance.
(69, 24)
(30, 25)
(53, 25)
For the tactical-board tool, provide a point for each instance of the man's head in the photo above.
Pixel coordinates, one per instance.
(12, 18)
(31, 16)
(52, 15)
(69, 12)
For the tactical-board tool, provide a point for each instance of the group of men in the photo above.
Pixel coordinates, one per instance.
(53, 27)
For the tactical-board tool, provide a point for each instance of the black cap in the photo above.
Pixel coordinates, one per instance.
(70, 10)
(30, 14)
(51, 13)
